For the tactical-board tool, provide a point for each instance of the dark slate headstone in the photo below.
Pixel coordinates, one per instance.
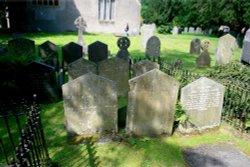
(40, 79)
(98, 51)
(203, 60)
(195, 46)
(48, 52)
(71, 52)
(22, 46)
(153, 48)
(81, 67)
(123, 43)
(245, 56)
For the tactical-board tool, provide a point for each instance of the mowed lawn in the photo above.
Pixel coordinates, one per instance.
(164, 151)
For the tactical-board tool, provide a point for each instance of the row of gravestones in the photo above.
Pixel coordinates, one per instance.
(91, 104)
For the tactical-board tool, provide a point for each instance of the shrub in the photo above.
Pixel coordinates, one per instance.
(165, 29)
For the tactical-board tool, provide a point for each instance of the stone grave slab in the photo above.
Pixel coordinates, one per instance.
(90, 105)
(22, 46)
(153, 49)
(98, 51)
(195, 46)
(202, 100)
(71, 52)
(144, 66)
(203, 60)
(147, 31)
(245, 55)
(123, 43)
(151, 104)
(175, 30)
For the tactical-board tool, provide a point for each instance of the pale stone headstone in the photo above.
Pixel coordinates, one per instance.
(175, 30)
(245, 55)
(186, 30)
(191, 30)
(81, 67)
(198, 30)
(195, 46)
(81, 25)
(98, 51)
(123, 43)
(151, 104)
(203, 60)
(48, 52)
(71, 52)
(21, 46)
(90, 105)
(147, 31)
(202, 100)
(153, 49)
(144, 66)
(116, 70)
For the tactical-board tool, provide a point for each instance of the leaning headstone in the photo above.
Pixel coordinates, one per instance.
(48, 52)
(90, 105)
(203, 60)
(153, 48)
(81, 26)
(202, 100)
(144, 66)
(40, 79)
(151, 104)
(98, 51)
(123, 43)
(81, 67)
(195, 46)
(71, 52)
(22, 46)
(245, 56)
(116, 70)
(191, 30)
(175, 30)
(147, 31)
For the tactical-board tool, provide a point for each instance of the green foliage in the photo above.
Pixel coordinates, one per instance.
(165, 29)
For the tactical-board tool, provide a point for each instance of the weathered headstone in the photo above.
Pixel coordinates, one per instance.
(151, 104)
(195, 46)
(147, 31)
(98, 51)
(198, 30)
(175, 30)
(191, 30)
(81, 67)
(144, 66)
(202, 100)
(81, 26)
(40, 79)
(153, 49)
(22, 46)
(116, 70)
(123, 43)
(245, 55)
(203, 60)
(71, 52)
(48, 52)
(90, 105)
(186, 30)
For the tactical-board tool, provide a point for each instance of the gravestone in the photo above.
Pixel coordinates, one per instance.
(224, 51)
(147, 31)
(186, 30)
(71, 52)
(90, 105)
(123, 43)
(81, 26)
(40, 79)
(116, 70)
(144, 66)
(98, 51)
(203, 60)
(191, 30)
(153, 49)
(195, 46)
(22, 46)
(245, 55)
(151, 104)
(81, 67)
(48, 52)
(202, 100)
(175, 30)
(198, 30)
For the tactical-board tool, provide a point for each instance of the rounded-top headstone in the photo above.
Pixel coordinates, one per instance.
(123, 43)
(195, 46)
(153, 48)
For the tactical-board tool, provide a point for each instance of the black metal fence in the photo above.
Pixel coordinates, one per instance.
(22, 142)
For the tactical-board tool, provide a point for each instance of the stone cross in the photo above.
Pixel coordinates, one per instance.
(81, 26)
(123, 43)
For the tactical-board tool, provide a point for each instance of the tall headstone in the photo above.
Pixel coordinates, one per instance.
(153, 49)
(195, 46)
(22, 46)
(144, 66)
(81, 67)
(203, 60)
(81, 26)
(90, 105)
(123, 43)
(186, 30)
(198, 30)
(175, 30)
(245, 55)
(48, 52)
(202, 100)
(71, 52)
(151, 104)
(147, 31)
(191, 30)
(98, 51)
(116, 70)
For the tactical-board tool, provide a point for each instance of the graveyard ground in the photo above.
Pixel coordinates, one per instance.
(125, 151)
